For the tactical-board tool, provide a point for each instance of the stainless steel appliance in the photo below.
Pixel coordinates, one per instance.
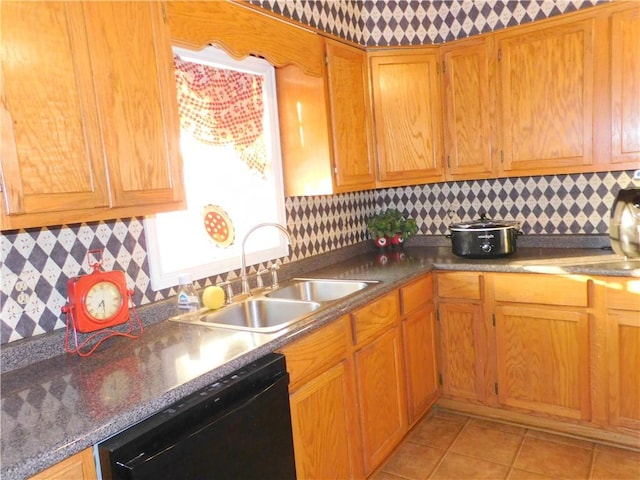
(238, 427)
(624, 226)
(484, 238)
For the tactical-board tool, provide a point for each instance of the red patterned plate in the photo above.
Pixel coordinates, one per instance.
(218, 225)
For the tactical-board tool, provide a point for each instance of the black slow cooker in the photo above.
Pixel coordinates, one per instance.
(484, 238)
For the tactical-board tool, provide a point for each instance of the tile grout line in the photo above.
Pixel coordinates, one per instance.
(447, 451)
(515, 457)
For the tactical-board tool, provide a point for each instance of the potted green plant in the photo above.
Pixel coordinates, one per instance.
(391, 228)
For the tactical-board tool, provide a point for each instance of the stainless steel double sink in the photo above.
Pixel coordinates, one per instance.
(273, 310)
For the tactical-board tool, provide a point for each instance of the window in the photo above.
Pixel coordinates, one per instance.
(232, 170)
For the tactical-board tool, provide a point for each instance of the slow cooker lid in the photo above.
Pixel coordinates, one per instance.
(484, 222)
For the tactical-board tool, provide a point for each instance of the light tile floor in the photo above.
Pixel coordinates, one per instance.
(450, 446)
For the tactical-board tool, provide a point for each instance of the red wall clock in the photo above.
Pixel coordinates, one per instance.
(98, 300)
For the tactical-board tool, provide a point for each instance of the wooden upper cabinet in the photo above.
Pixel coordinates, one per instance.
(469, 108)
(350, 108)
(305, 132)
(546, 84)
(408, 117)
(324, 125)
(90, 118)
(137, 101)
(52, 158)
(625, 88)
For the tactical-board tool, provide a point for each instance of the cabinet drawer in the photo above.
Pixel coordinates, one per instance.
(416, 294)
(540, 289)
(370, 321)
(311, 355)
(623, 294)
(459, 285)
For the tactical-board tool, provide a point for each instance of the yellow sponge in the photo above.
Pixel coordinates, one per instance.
(213, 297)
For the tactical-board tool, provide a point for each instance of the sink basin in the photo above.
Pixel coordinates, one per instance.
(259, 315)
(319, 290)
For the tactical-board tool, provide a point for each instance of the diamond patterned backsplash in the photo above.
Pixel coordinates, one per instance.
(36, 263)
(417, 22)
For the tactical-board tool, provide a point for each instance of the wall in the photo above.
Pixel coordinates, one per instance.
(417, 22)
(44, 259)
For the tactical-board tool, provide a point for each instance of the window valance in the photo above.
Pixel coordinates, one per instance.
(218, 106)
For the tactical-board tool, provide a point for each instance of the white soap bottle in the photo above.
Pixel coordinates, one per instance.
(188, 301)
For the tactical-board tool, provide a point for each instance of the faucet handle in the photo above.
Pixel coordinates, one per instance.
(259, 280)
(274, 276)
(229, 290)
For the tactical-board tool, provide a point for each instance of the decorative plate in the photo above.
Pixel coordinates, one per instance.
(218, 225)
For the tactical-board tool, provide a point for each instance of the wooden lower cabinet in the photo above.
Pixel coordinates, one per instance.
(323, 413)
(321, 425)
(80, 466)
(380, 378)
(461, 351)
(381, 395)
(557, 352)
(542, 357)
(624, 368)
(420, 354)
(542, 338)
(420, 346)
(461, 335)
(623, 351)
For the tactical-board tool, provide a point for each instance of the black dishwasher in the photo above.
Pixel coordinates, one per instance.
(236, 428)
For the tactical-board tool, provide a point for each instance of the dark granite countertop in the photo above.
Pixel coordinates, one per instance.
(62, 404)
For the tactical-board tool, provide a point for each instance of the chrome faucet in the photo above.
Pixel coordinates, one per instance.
(243, 258)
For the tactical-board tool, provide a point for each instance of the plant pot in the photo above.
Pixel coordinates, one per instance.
(382, 242)
(397, 241)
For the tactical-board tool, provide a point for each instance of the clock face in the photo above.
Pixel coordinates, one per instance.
(103, 300)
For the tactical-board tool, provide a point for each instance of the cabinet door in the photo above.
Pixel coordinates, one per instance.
(78, 467)
(135, 89)
(623, 341)
(546, 84)
(625, 92)
(460, 351)
(307, 164)
(320, 417)
(407, 118)
(52, 158)
(349, 108)
(542, 357)
(469, 105)
(381, 395)
(420, 353)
